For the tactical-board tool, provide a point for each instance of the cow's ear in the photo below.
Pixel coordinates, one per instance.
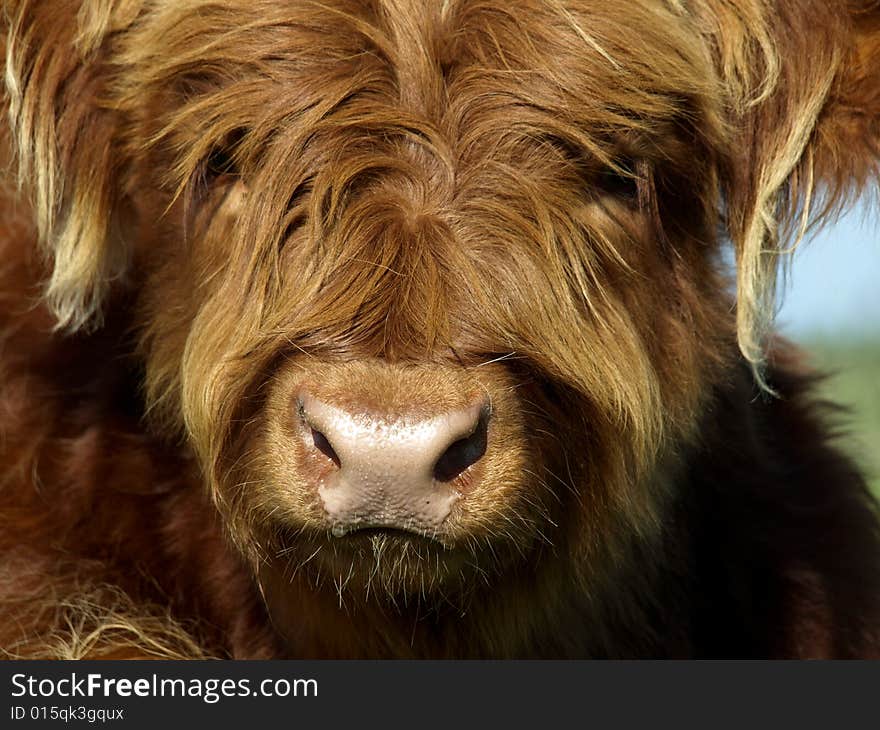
(63, 136)
(847, 139)
(803, 87)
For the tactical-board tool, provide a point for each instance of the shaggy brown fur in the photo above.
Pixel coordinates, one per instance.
(400, 202)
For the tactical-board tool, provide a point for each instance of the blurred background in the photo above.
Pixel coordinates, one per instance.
(830, 304)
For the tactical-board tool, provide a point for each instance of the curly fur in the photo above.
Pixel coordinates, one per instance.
(213, 200)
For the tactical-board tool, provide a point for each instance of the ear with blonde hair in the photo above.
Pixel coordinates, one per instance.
(803, 85)
(63, 138)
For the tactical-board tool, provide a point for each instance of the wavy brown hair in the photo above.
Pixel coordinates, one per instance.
(396, 200)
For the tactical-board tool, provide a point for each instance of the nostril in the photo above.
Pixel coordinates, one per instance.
(322, 444)
(320, 441)
(465, 452)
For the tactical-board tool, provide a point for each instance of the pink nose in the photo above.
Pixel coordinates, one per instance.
(392, 472)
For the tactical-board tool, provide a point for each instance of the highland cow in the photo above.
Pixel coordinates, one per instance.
(403, 328)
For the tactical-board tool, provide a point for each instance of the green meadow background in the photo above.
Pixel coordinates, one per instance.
(831, 307)
(854, 381)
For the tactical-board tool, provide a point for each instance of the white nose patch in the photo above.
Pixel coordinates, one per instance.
(386, 471)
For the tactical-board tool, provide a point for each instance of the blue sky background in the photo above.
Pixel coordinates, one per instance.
(833, 291)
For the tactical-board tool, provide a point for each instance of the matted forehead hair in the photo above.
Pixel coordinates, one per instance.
(769, 101)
